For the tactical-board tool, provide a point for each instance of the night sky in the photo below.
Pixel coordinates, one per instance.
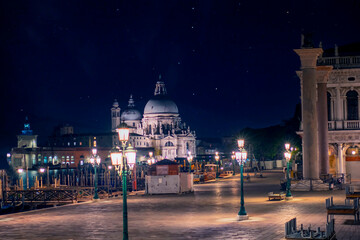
(226, 64)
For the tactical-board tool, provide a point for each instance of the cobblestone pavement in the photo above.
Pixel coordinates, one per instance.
(209, 213)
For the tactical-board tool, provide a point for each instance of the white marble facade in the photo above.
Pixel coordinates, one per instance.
(160, 127)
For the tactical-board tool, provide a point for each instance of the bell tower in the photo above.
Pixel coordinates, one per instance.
(27, 139)
(115, 116)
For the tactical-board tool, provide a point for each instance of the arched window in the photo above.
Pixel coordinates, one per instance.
(352, 105)
(169, 144)
(329, 106)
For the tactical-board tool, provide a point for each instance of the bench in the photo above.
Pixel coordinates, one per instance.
(276, 196)
(352, 192)
(347, 209)
(291, 231)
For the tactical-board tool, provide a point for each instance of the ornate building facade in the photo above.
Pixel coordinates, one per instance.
(338, 77)
(159, 128)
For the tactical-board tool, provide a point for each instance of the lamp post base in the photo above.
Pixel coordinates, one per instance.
(289, 198)
(242, 217)
(96, 199)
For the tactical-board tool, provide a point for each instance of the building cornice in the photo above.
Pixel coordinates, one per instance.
(344, 136)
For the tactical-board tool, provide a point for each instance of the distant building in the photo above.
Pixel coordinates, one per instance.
(28, 155)
(27, 139)
(159, 128)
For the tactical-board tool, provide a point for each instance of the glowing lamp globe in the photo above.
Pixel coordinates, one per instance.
(238, 156)
(94, 151)
(287, 146)
(241, 143)
(98, 159)
(287, 156)
(116, 158)
(123, 132)
(243, 155)
(130, 154)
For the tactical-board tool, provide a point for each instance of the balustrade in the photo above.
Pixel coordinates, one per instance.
(353, 124)
(343, 62)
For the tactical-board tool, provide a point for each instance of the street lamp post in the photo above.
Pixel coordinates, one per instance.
(287, 155)
(118, 159)
(21, 183)
(151, 160)
(95, 161)
(48, 176)
(217, 157)
(233, 162)
(241, 157)
(41, 170)
(189, 158)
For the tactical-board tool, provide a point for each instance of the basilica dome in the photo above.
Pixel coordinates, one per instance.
(160, 104)
(131, 114)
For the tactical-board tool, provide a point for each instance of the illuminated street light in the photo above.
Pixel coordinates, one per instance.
(241, 143)
(217, 158)
(41, 171)
(287, 155)
(20, 171)
(124, 132)
(151, 160)
(95, 161)
(189, 158)
(130, 154)
(241, 157)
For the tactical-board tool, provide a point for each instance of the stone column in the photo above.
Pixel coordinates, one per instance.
(322, 111)
(333, 109)
(308, 57)
(340, 162)
(339, 109)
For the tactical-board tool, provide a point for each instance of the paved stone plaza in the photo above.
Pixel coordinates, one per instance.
(209, 213)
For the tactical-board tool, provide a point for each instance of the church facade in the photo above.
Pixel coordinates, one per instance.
(159, 127)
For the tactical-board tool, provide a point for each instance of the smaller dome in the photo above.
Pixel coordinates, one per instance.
(130, 115)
